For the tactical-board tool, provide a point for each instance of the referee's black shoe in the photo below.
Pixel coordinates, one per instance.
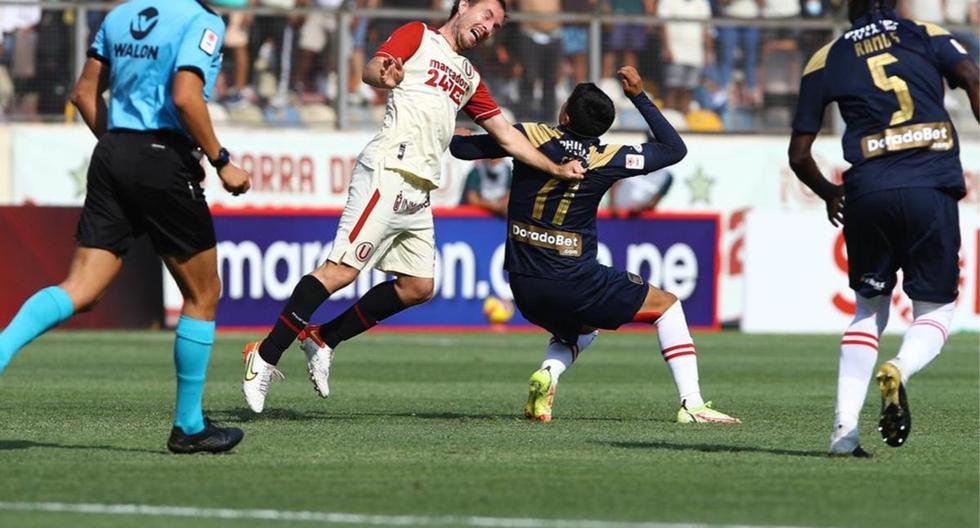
(212, 439)
(895, 422)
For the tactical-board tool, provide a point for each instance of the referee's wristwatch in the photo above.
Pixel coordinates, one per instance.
(224, 158)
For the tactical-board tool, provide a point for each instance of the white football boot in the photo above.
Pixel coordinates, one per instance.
(318, 359)
(844, 443)
(259, 376)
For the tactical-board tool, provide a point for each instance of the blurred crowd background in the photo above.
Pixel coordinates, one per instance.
(715, 65)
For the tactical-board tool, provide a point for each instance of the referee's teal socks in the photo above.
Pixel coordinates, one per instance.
(44, 310)
(192, 351)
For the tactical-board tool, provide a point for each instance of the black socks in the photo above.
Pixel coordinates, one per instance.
(308, 295)
(380, 302)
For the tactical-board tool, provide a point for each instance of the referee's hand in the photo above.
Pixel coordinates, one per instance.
(235, 180)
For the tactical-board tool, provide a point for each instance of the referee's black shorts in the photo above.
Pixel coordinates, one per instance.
(145, 182)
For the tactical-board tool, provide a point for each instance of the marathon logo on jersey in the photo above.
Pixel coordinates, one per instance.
(448, 80)
(565, 243)
(934, 136)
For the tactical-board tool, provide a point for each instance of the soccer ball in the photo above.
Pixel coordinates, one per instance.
(498, 311)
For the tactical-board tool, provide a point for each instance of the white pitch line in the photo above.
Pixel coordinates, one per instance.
(338, 518)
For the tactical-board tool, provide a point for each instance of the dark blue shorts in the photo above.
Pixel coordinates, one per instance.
(916, 230)
(627, 37)
(603, 298)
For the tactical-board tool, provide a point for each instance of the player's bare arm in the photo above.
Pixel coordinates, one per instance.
(87, 95)
(968, 78)
(188, 90)
(803, 165)
(384, 73)
(516, 145)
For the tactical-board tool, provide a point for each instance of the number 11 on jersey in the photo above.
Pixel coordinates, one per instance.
(563, 205)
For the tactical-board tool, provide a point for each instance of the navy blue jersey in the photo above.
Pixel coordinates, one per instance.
(886, 76)
(551, 223)
(145, 43)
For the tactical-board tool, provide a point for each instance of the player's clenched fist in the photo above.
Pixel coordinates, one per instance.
(573, 171)
(632, 82)
(235, 179)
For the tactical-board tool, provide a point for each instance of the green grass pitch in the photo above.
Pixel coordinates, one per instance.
(431, 425)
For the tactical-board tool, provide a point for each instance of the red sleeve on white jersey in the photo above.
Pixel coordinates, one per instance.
(403, 43)
(481, 106)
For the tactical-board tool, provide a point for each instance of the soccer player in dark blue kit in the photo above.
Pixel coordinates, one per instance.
(159, 60)
(886, 75)
(551, 244)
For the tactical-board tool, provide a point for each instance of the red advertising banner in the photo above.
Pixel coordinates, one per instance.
(38, 243)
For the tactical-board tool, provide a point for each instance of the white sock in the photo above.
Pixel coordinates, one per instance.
(561, 356)
(924, 340)
(677, 348)
(858, 356)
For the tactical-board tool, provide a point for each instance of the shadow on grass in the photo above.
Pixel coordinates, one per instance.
(246, 415)
(12, 445)
(715, 448)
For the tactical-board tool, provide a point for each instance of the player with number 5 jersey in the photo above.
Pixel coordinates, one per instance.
(387, 222)
(887, 76)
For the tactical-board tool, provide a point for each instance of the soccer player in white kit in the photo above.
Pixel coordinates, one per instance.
(387, 222)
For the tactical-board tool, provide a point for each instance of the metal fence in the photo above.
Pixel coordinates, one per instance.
(301, 66)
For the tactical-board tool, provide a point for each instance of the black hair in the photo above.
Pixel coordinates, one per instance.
(872, 9)
(503, 4)
(590, 111)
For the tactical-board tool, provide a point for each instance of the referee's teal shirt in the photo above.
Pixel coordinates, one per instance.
(145, 43)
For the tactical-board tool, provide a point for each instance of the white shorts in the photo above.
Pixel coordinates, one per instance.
(237, 34)
(313, 33)
(386, 224)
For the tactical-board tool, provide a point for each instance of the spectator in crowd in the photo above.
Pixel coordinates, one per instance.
(923, 10)
(946, 12)
(735, 41)
(488, 186)
(782, 63)
(626, 39)
(631, 197)
(687, 48)
(53, 81)
(380, 28)
(271, 43)
(236, 47)
(965, 12)
(495, 60)
(19, 22)
(359, 32)
(539, 51)
(575, 40)
(319, 27)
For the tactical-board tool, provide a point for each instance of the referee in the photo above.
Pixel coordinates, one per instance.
(159, 59)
